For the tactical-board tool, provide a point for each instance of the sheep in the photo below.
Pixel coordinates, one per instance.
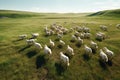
(103, 34)
(81, 35)
(52, 44)
(30, 41)
(37, 45)
(64, 58)
(93, 46)
(65, 30)
(76, 34)
(53, 27)
(103, 56)
(79, 41)
(79, 29)
(87, 35)
(59, 36)
(47, 33)
(47, 50)
(100, 36)
(46, 29)
(109, 53)
(88, 50)
(59, 31)
(118, 26)
(71, 30)
(35, 35)
(104, 28)
(22, 36)
(70, 50)
(62, 42)
(74, 38)
(86, 30)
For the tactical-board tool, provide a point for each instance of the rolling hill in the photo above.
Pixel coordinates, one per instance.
(16, 14)
(108, 13)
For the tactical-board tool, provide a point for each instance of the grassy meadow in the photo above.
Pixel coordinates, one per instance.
(21, 62)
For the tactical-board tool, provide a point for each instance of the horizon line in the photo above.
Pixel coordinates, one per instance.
(54, 11)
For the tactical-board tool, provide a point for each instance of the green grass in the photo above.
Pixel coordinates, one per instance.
(20, 62)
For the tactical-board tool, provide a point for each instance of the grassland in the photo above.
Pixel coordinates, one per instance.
(20, 62)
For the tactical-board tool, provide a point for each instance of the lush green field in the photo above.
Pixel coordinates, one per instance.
(20, 62)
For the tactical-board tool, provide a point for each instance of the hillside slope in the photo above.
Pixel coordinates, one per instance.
(109, 13)
(16, 14)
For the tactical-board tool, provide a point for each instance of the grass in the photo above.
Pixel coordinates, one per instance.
(21, 62)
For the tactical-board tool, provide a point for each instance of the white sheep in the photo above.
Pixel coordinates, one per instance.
(34, 35)
(64, 58)
(52, 32)
(74, 38)
(23, 36)
(88, 50)
(79, 29)
(62, 42)
(59, 36)
(52, 44)
(87, 35)
(93, 45)
(118, 26)
(71, 30)
(65, 30)
(109, 53)
(47, 50)
(81, 35)
(86, 30)
(37, 45)
(59, 32)
(103, 34)
(103, 56)
(48, 33)
(46, 29)
(77, 34)
(100, 36)
(79, 41)
(30, 41)
(70, 50)
(104, 28)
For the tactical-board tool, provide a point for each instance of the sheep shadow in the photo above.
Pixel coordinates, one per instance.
(40, 61)
(60, 68)
(86, 57)
(109, 63)
(50, 47)
(32, 37)
(103, 64)
(70, 56)
(100, 40)
(57, 39)
(72, 41)
(59, 46)
(78, 45)
(31, 54)
(22, 49)
(45, 35)
(94, 51)
(17, 40)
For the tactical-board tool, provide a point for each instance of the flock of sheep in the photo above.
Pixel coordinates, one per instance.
(80, 33)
